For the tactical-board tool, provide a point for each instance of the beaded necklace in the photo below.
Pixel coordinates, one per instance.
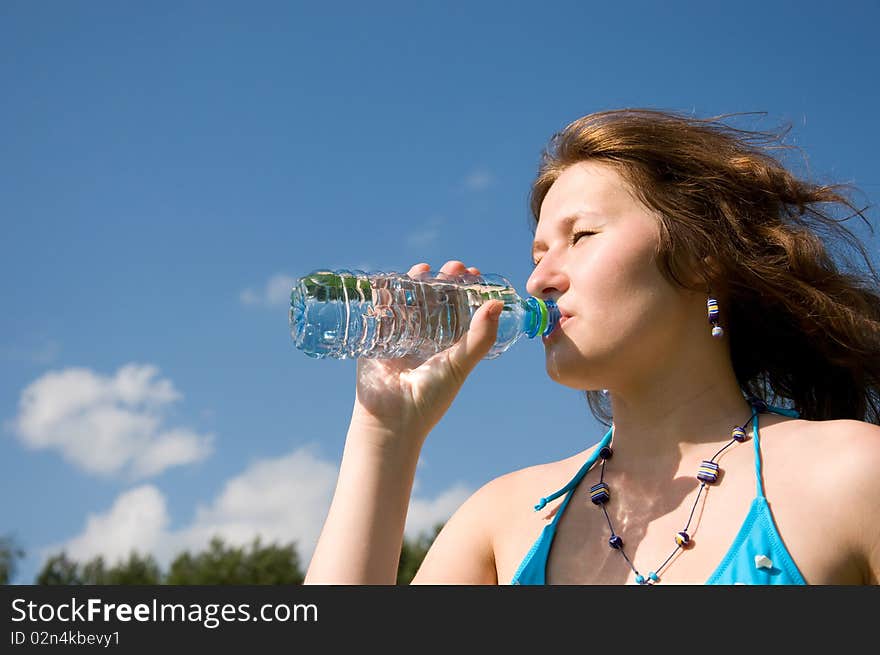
(600, 493)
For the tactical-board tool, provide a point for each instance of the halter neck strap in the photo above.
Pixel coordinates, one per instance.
(757, 408)
(757, 439)
(580, 474)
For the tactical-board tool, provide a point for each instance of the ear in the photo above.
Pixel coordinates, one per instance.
(701, 273)
(711, 269)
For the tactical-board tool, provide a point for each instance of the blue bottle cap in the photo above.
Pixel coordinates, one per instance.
(547, 317)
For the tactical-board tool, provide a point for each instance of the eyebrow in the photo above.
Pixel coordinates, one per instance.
(564, 225)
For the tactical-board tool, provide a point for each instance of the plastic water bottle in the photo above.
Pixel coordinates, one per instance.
(347, 314)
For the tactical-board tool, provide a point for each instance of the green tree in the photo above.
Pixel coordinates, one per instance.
(10, 553)
(59, 569)
(137, 569)
(222, 564)
(93, 571)
(218, 564)
(412, 552)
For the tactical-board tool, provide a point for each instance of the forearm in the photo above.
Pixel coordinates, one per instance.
(362, 536)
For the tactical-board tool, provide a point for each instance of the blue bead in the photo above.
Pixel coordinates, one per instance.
(615, 542)
(654, 576)
(600, 493)
(640, 579)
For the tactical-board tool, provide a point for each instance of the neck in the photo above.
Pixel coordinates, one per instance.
(677, 415)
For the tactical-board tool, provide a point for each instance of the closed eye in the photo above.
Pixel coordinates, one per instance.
(572, 241)
(577, 235)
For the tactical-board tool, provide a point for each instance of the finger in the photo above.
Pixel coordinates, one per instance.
(478, 340)
(418, 268)
(453, 267)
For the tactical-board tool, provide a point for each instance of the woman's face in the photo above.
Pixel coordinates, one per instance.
(625, 318)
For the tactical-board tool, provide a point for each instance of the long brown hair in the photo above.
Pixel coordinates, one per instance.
(804, 331)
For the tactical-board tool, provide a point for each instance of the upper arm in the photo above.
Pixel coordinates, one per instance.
(463, 553)
(862, 461)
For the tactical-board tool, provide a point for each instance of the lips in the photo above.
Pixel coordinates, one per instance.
(563, 315)
(563, 319)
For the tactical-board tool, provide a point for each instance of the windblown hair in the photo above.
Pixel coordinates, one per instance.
(804, 329)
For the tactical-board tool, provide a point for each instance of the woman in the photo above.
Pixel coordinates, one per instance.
(647, 224)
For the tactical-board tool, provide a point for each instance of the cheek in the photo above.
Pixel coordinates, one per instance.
(623, 283)
(627, 296)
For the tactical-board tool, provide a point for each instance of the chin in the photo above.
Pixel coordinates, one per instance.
(569, 372)
(571, 368)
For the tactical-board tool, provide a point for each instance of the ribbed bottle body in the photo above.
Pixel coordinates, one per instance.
(347, 314)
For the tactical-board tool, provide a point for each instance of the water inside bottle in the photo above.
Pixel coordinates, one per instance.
(346, 314)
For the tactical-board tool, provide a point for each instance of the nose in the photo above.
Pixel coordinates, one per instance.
(547, 281)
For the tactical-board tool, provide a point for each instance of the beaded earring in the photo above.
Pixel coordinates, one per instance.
(712, 306)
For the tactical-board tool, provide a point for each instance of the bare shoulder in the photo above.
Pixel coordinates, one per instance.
(478, 542)
(519, 491)
(517, 515)
(852, 452)
(853, 464)
(844, 443)
(836, 450)
(821, 477)
(512, 496)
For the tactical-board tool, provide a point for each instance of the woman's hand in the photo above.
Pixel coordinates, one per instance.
(408, 396)
(398, 402)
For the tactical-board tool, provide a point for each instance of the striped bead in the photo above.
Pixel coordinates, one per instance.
(717, 331)
(600, 493)
(739, 434)
(615, 542)
(708, 471)
(683, 539)
(712, 306)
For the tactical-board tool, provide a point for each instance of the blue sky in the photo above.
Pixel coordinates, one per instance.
(169, 167)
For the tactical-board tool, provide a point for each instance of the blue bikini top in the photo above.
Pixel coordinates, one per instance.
(756, 556)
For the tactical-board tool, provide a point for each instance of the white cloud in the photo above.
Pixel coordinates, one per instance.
(275, 293)
(136, 521)
(478, 180)
(281, 500)
(107, 425)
